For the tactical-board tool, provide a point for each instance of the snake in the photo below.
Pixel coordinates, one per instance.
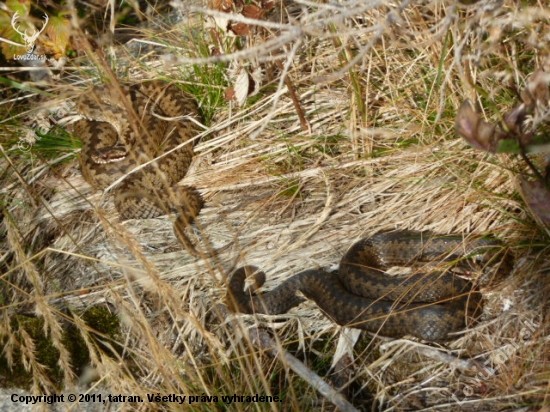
(430, 305)
(143, 133)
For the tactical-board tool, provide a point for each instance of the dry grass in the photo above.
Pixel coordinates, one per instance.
(379, 86)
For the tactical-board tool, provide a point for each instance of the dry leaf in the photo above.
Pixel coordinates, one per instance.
(221, 5)
(267, 5)
(229, 94)
(537, 197)
(57, 35)
(256, 77)
(536, 93)
(15, 16)
(252, 12)
(476, 131)
(240, 29)
(242, 87)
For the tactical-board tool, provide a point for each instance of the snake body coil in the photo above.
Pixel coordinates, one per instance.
(361, 295)
(127, 126)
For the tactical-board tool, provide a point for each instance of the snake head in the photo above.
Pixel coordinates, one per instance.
(237, 298)
(110, 154)
(493, 264)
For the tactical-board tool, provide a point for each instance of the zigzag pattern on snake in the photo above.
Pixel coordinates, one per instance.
(127, 126)
(362, 295)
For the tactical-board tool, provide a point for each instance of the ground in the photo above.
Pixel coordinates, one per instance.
(325, 123)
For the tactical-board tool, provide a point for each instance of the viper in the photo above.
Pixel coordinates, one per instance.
(429, 305)
(153, 124)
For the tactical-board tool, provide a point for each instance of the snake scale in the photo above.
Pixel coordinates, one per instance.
(362, 295)
(127, 126)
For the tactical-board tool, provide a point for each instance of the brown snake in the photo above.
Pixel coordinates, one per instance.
(128, 126)
(362, 295)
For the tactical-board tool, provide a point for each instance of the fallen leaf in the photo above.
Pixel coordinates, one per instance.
(221, 5)
(252, 12)
(536, 93)
(476, 131)
(56, 36)
(267, 5)
(537, 197)
(242, 86)
(240, 29)
(229, 94)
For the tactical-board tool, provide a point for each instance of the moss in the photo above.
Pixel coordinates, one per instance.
(46, 353)
(98, 318)
(102, 319)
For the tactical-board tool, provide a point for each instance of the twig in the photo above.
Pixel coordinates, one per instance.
(439, 355)
(290, 86)
(260, 339)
